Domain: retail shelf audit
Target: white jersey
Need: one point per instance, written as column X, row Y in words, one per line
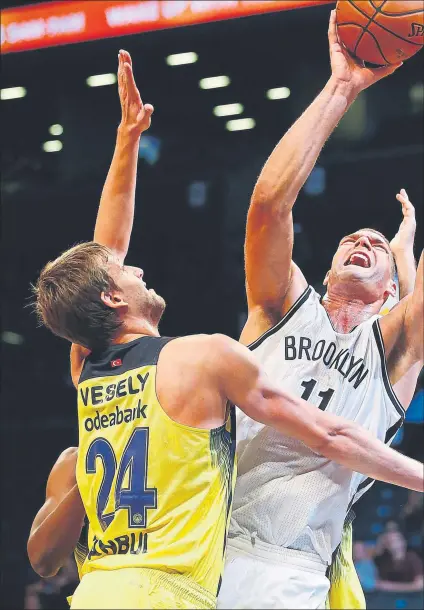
column 286, row 495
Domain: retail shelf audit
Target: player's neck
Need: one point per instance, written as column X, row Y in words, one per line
column 134, row 328
column 345, row 313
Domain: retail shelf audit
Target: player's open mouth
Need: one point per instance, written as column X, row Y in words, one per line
column 360, row 259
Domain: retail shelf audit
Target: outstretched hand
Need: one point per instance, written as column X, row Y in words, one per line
column 404, row 238
column 348, row 70
column 136, row 116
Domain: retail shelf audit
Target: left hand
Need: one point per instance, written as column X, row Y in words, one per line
column 404, row 238
column 136, row 116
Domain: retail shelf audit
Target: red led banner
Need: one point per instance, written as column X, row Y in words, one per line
column 53, row 23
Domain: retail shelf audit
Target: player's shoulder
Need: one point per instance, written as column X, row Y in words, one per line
column 64, row 466
column 198, row 355
column 199, row 346
column 62, row 476
column 68, row 455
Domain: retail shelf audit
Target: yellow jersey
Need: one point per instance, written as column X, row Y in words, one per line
column 345, row 587
column 157, row 493
column 81, row 550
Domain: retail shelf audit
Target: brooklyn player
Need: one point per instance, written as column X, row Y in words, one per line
column 156, row 436
column 337, row 353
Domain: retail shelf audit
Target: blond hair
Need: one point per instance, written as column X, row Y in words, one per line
column 68, row 300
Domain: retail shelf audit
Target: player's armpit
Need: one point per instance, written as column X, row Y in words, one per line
column 57, row 525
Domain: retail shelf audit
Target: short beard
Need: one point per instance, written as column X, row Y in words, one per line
column 157, row 308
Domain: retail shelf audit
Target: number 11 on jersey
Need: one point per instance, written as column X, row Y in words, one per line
column 325, row 396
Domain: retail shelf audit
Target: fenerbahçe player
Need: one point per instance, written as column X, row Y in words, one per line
column 157, row 493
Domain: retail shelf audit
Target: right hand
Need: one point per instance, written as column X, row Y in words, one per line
column 352, row 72
column 136, row 116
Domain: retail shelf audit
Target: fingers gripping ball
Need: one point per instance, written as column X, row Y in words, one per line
column 381, row 32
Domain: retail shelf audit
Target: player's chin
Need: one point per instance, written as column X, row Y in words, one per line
column 356, row 273
column 157, row 298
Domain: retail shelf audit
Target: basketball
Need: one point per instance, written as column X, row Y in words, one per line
column 381, row 32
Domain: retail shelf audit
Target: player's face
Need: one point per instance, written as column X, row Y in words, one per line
column 396, row 544
column 363, row 260
column 142, row 301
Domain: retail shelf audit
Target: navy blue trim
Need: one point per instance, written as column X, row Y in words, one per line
column 380, row 346
column 390, row 434
column 232, row 418
column 143, row 351
column 289, row 314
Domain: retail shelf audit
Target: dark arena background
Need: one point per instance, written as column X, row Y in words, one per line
column 196, row 173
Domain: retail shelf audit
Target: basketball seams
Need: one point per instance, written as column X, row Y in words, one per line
column 416, row 44
column 363, row 27
column 365, row 31
column 403, row 14
column 378, row 46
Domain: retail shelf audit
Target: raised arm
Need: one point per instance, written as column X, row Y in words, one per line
column 402, row 246
column 402, row 330
column 116, row 211
column 269, row 235
column 414, row 322
column 336, row 438
column 57, row 525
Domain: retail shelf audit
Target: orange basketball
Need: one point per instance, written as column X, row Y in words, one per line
column 381, row 32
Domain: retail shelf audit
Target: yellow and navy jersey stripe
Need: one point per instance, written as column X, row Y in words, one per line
column 81, row 550
column 157, row 493
column 345, row 588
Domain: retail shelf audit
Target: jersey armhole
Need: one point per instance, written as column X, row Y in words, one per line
column 289, row 314
column 387, row 385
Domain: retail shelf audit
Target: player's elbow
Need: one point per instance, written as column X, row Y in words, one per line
column 40, row 559
column 329, row 441
column 268, row 202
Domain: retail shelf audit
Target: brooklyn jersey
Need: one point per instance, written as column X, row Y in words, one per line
column 286, row 495
column 157, row 493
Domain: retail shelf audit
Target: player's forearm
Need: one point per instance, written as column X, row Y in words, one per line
column 54, row 539
column 406, row 270
column 116, row 211
column 414, row 317
column 340, row 440
column 355, row 448
column 295, row 155
column 419, row 282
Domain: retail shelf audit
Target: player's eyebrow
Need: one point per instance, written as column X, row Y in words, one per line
column 377, row 239
column 352, row 236
column 373, row 237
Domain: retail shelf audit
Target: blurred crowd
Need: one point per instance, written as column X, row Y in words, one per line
column 393, row 562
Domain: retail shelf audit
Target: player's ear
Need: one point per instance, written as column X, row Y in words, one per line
column 113, row 299
column 327, row 275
